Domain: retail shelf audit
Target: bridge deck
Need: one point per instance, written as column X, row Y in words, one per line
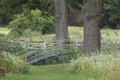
column 38, row 59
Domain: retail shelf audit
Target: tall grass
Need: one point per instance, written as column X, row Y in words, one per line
column 106, row 64
column 11, row 64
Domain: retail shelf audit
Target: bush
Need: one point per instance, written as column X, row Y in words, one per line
column 35, row 20
column 20, row 68
column 11, row 47
column 2, row 38
column 106, row 64
column 11, row 64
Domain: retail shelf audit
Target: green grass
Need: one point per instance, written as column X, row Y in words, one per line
column 4, row 30
column 75, row 30
column 112, row 38
column 74, row 33
column 52, row 72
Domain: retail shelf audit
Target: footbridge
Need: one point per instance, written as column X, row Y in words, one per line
column 35, row 52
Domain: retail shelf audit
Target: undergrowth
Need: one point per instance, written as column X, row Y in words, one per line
column 106, row 64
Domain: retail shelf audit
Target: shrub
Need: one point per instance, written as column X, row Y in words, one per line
column 11, row 64
column 11, row 47
column 35, row 20
column 2, row 37
column 106, row 64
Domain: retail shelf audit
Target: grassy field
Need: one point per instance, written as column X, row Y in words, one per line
column 60, row 71
column 52, row 72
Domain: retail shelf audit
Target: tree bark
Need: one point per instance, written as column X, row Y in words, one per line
column 92, row 21
column 61, row 20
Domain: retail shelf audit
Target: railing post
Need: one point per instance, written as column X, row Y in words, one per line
column 44, row 46
column 76, row 48
column 26, row 46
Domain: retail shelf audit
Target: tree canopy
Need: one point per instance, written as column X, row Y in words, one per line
column 111, row 13
column 34, row 21
column 9, row 8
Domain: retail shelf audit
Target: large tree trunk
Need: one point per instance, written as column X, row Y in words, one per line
column 92, row 21
column 61, row 21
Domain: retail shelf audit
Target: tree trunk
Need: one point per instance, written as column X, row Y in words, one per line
column 92, row 21
column 61, row 21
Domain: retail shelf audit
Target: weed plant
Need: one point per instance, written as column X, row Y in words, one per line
column 11, row 64
column 106, row 64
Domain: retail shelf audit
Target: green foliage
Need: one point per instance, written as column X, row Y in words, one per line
column 34, row 21
column 111, row 16
column 11, row 47
column 8, row 8
column 1, row 41
column 77, row 4
column 11, row 64
column 106, row 64
column 53, row 72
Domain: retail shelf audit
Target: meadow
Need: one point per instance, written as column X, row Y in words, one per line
column 75, row 33
column 52, row 72
column 64, row 71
